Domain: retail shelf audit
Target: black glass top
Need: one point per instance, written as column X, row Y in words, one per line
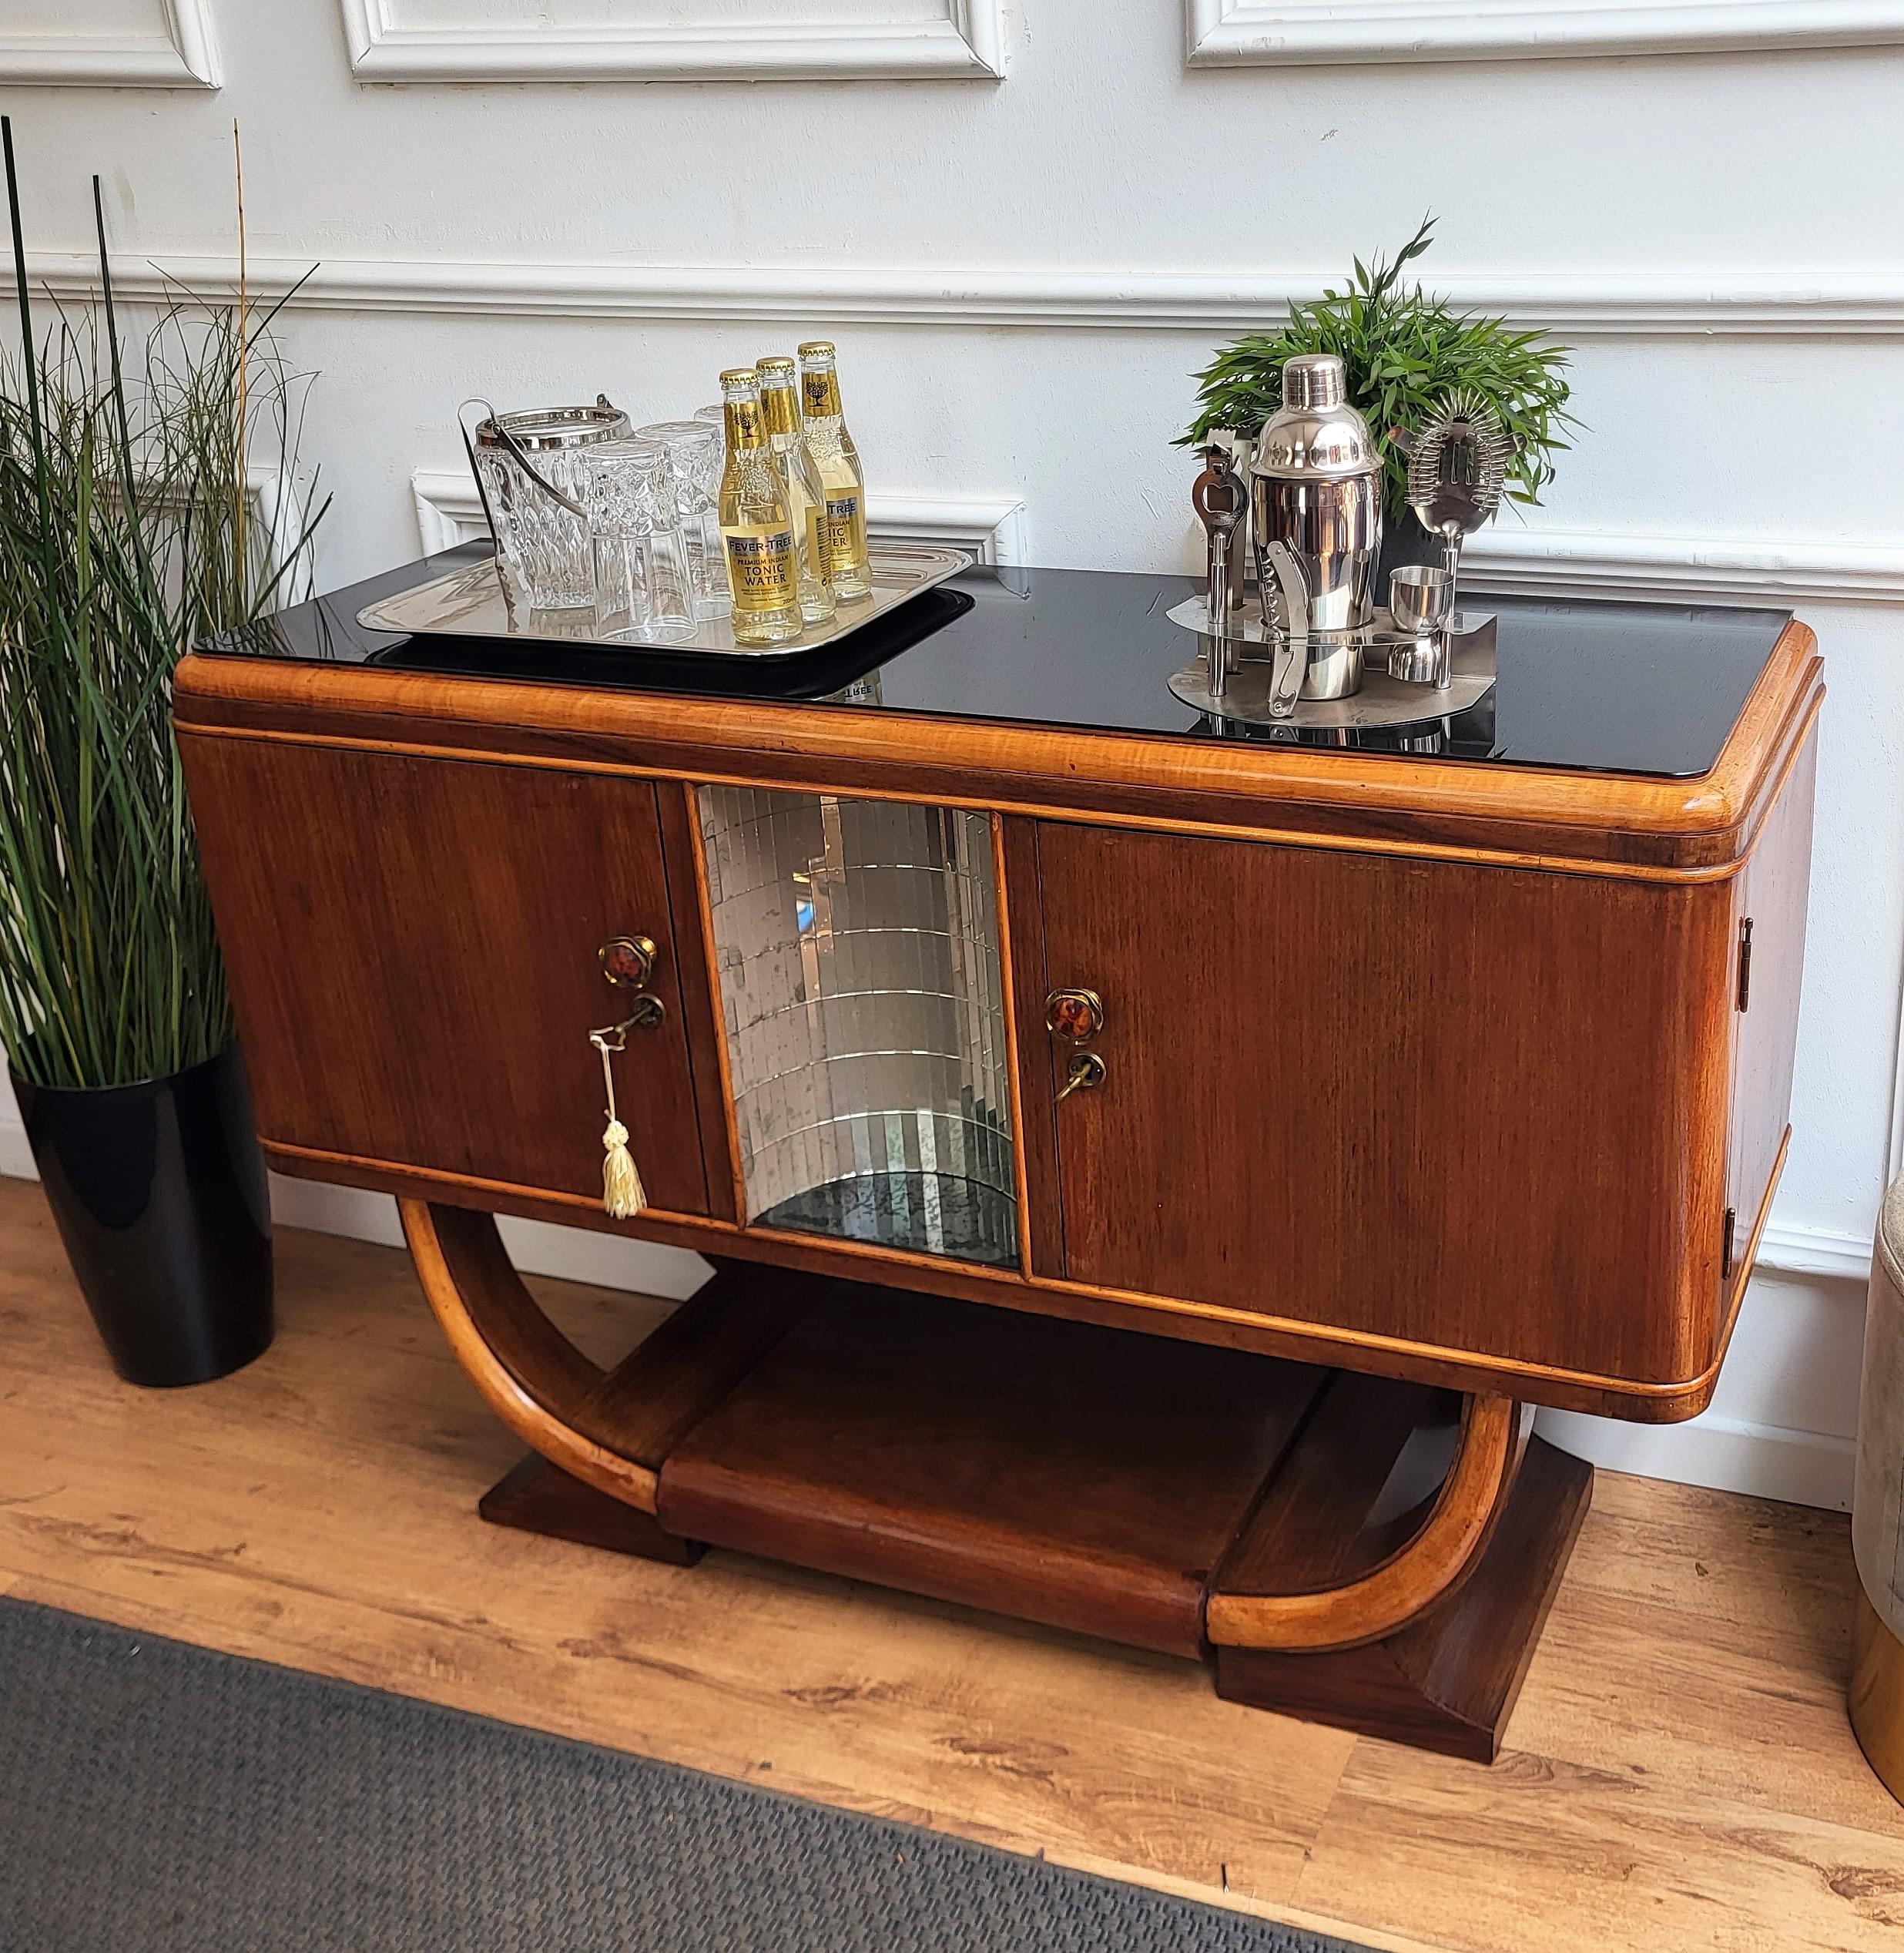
column 1595, row 687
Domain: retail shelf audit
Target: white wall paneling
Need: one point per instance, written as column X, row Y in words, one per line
column 559, row 41
column 1835, row 305
column 1509, row 556
column 991, row 527
column 1275, row 33
column 107, row 44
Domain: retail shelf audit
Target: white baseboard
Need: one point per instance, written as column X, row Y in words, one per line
column 1801, row 1467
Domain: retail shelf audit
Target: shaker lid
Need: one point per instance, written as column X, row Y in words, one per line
column 1315, row 434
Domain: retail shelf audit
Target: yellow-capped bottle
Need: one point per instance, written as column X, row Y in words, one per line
column 757, row 527
column 838, row 462
column 806, row 497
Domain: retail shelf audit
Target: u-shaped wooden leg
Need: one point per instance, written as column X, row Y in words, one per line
column 1383, row 1562
column 1411, row 1581
column 530, row 1374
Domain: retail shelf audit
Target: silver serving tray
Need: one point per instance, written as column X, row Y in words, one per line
column 472, row 602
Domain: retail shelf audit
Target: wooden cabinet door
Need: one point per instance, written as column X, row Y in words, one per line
column 413, row 945
column 1466, row 1107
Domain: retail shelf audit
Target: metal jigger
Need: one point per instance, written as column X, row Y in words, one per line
column 1221, row 502
column 1421, row 602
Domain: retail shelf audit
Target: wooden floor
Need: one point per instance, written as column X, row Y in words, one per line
column 1680, row 1773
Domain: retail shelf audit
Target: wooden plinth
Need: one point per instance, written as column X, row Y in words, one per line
column 1358, row 1551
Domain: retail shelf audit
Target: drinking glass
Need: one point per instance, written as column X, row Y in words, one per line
column 643, row 591
column 714, row 413
column 697, row 453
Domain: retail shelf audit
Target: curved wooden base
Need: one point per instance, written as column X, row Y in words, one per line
column 1325, row 1536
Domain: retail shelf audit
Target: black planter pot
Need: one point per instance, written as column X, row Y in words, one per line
column 158, row 1192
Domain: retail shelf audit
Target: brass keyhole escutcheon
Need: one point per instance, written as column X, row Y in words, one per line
column 628, row 961
column 1075, row 1015
column 1085, row 1073
column 647, row 1014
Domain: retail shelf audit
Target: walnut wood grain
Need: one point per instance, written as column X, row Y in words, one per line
column 539, row 1498
column 1479, row 1109
column 1420, row 1574
column 706, row 1037
column 413, row 947
column 1366, row 1436
column 1037, row 1130
column 1021, row 1009
column 1110, row 1308
column 1075, row 1476
column 609, row 1429
column 529, row 1373
column 1449, row 1681
column 1642, row 827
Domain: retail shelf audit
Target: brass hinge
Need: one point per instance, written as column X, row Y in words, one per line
column 1727, row 1250
column 1745, row 963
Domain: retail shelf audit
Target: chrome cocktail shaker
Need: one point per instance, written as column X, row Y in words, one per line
column 1316, row 487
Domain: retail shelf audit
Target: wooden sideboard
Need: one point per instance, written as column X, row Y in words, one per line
column 1431, row 1088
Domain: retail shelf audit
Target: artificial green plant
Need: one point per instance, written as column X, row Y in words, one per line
column 1403, row 351
column 125, row 533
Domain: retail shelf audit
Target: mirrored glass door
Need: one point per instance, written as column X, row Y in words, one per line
column 856, row 947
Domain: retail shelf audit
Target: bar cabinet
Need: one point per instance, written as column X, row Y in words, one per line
column 1149, row 1174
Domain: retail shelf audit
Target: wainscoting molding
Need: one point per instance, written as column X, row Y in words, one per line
column 43, row 44
column 966, row 40
column 1509, row 556
column 1715, row 305
column 992, row 527
column 1280, row 33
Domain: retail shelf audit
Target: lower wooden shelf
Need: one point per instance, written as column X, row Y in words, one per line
column 1362, row 1551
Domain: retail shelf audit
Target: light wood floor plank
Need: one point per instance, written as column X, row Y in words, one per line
column 1684, row 1776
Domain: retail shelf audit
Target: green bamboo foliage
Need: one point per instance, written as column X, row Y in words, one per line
column 124, row 536
column 1403, row 351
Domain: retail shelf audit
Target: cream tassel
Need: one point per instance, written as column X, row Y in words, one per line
column 621, row 1185
column 621, row 1193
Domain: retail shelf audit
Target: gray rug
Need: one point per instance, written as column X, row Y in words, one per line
column 157, row 1798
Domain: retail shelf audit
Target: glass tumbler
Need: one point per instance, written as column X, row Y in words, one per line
column 643, row 591
column 698, row 452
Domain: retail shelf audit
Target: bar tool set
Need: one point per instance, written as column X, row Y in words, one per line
column 1316, row 638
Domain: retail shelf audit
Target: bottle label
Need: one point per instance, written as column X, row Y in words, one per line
column 820, row 549
column 746, row 425
column 844, row 530
column 819, row 395
column 760, row 565
column 777, row 411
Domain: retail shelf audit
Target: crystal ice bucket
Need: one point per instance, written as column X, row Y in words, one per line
column 531, row 468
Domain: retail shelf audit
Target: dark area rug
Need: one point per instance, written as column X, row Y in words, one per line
column 157, row 1798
